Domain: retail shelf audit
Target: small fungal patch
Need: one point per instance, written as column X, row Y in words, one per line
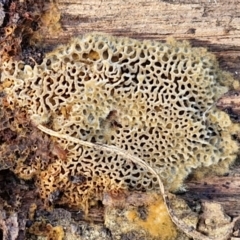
column 155, row 224
column 47, row 230
column 154, row 100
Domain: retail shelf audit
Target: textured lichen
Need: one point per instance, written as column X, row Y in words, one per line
column 154, row 100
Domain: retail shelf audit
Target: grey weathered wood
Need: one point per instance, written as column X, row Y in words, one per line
column 206, row 23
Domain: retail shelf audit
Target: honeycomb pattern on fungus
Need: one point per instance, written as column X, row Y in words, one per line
column 154, row 100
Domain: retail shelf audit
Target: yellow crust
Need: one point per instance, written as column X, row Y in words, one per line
column 154, row 100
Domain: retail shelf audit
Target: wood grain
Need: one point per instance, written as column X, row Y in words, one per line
column 224, row 190
column 211, row 24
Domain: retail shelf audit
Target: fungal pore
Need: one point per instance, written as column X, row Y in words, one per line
column 153, row 100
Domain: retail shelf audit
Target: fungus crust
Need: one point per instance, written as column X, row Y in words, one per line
column 154, row 100
column 157, row 223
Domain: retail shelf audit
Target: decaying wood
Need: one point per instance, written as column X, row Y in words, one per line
column 230, row 103
column 224, row 190
column 211, row 24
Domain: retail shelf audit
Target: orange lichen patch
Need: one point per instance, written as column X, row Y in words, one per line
column 39, row 229
column 47, row 230
column 157, row 223
column 56, row 233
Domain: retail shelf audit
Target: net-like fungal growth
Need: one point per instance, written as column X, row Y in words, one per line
column 154, row 100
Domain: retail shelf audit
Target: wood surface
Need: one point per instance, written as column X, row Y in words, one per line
column 205, row 23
